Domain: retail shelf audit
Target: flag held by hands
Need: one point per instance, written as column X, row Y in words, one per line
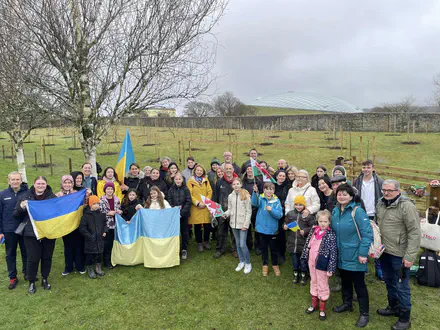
column 214, row 208
column 293, row 226
column 258, row 170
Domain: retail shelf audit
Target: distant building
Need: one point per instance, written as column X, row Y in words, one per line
column 158, row 112
column 306, row 101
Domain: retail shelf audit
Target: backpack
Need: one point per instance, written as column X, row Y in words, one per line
column 429, row 269
column 376, row 248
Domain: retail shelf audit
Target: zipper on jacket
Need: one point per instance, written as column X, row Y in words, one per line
column 236, row 209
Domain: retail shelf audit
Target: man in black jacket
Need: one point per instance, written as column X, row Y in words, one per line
column 222, row 190
column 8, row 225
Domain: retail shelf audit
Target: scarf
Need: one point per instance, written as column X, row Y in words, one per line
column 391, row 201
column 199, row 179
column 108, row 180
column 319, row 233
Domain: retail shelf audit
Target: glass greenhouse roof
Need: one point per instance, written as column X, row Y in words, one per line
column 305, row 101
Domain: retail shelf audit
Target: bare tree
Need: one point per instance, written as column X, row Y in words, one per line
column 406, row 105
column 22, row 107
column 436, row 92
column 198, row 109
column 108, row 58
column 228, row 105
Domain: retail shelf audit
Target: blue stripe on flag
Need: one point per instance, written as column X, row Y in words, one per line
column 55, row 207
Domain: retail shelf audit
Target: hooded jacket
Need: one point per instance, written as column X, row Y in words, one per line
column 378, row 182
column 146, row 184
column 267, row 221
column 8, row 201
column 23, row 215
column 129, row 209
column 239, row 212
column 295, row 241
column 399, row 225
column 312, row 199
column 180, row 196
column 92, row 226
column 133, row 181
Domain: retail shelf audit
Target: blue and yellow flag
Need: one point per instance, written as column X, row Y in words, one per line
column 151, row 238
column 293, row 226
column 126, row 157
column 56, row 217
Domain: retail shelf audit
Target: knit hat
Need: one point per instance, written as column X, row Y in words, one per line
column 65, row 178
column 215, row 161
column 340, row 168
column 109, row 184
column 93, row 199
column 300, row 200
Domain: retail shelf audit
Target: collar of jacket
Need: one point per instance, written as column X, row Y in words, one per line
column 234, row 175
column 274, row 197
column 394, row 202
column 23, row 187
column 294, row 185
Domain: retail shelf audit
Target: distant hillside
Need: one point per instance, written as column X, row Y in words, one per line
column 272, row 111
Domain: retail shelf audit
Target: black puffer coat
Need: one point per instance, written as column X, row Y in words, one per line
column 129, row 209
column 92, row 226
column 146, row 184
column 180, row 196
column 23, row 215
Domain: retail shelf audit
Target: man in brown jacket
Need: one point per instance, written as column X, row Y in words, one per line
column 399, row 225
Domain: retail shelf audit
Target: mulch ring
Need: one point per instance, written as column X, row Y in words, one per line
column 195, row 149
column 108, row 153
column 148, row 144
column 266, row 144
column 29, row 142
column 114, row 142
column 394, row 134
column 9, row 157
column 152, row 160
column 274, row 136
column 49, row 145
column 334, row 148
column 43, row 165
column 410, row 142
column 331, row 139
column 73, row 148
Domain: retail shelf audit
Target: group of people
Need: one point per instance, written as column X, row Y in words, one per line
column 322, row 222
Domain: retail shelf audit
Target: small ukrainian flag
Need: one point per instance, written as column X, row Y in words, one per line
column 56, row 217
column 126, row 158
column 293, row 226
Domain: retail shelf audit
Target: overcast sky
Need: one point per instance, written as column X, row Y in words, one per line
column 364, row 52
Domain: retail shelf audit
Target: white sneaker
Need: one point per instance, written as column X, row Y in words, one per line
column 239, row 267
column 247, row 268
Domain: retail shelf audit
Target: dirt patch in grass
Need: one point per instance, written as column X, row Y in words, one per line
column 29, row 142
column 152, row 160
column 148, row 144
column 9, row 157
column 274, row 136
column 73, row 148
column 266, row 144
column 334, row 148
column 410, row 142
column 113, row 142
column 331, row 139
column 49, row 145
column 394, row 134
column 195, row 149
column 46, row 165
column 108, row 153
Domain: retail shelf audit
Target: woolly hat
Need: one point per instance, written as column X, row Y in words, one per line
column 215, row 161
column 93, row 199
column 65, row 178
column 109, row 184
column 300, row 200
column 340, row 168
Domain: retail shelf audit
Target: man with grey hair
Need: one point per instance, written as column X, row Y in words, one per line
column 227, row 156
column 399, row 224
column 8, row 225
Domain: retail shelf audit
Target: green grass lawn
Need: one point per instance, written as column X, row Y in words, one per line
column 203, row 293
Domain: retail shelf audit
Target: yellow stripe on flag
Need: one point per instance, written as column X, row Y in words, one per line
column 120, row 168
column 59, row 226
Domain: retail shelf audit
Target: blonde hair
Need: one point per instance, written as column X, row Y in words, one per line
column 244, row 194
column 324, row 213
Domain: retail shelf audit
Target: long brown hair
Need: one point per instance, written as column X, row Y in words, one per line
column 159, row 198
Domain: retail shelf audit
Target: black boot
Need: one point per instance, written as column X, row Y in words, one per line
column 98, row 269
column 364, row 309
column 404, row 320
column 45, row 284
column 32, row 288
column 295, row 277
column 362, row 321
column 303, row 278
column 91, row 271
column 391, row 310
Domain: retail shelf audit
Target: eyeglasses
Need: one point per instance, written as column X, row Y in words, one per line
column 388, row 191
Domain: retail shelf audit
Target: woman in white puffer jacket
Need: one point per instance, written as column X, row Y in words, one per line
column 302, row 187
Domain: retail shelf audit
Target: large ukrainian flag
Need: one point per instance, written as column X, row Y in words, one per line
column 151, row 238
column 56, row 217
column 126, row 157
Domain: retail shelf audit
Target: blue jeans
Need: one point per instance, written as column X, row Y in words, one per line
column 297, row 263
column 242, row 249
column 398, row 289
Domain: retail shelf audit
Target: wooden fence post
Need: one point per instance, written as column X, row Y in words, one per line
column 70, row 165
column 36, row 161
column 51, row 166
column 360, row 147
column 374, row 149
column 3, row 151
column 341, row 137
column 189, row 148
column 180, row 153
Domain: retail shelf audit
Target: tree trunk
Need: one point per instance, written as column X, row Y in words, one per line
column 90, row 156
column 20, row 160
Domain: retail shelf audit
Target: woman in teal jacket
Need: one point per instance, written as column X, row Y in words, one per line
column 353, row 240
column 269, row 212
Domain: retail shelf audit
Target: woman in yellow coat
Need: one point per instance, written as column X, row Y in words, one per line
column 198, row 184
column 109, row 175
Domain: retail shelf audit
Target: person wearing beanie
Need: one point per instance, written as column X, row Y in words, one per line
column 340, row 170
column 73, row 242
column 296, row 237
column 215, row 163
column 110, row 205
column 94, row 230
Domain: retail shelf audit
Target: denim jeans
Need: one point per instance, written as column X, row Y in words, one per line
column 397, row 288
column 12, row 240
column 242, row 249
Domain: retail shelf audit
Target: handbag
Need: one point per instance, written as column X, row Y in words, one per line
column 430, row 234
column 20, row 228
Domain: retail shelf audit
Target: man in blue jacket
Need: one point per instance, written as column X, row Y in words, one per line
column 8, row 225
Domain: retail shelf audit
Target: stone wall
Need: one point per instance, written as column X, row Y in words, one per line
column 366, row 122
